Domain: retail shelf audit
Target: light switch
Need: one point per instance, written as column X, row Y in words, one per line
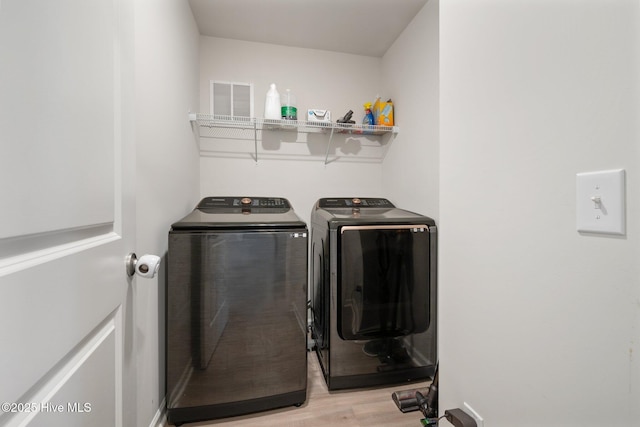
column 600, row 202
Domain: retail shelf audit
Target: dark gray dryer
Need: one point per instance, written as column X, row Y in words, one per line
column 236, row 309
column 373, row 292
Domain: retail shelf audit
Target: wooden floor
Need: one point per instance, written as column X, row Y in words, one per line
column 359, row 407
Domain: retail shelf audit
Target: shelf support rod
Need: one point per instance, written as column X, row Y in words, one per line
column 326, row 155
column 255, row 139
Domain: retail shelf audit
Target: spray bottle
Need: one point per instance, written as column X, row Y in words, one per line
column 368, row 117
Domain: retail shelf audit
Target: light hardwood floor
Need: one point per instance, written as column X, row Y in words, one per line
column 358, row 407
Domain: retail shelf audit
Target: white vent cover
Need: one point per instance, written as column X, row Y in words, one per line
column 231, row 99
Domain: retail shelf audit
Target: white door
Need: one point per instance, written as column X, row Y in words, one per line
column 66, row 212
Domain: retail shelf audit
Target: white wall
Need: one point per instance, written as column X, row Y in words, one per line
column 167, row 166
column 539, row 324
column 294, row 170
column 411, row 77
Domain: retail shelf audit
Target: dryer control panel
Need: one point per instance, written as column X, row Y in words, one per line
column 354, row 202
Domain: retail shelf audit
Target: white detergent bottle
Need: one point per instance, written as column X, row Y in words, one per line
column 272, row 107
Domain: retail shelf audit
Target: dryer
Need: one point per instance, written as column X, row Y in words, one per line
column 236, row 309
column 373, row 290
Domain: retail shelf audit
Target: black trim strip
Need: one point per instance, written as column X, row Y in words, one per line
column 179, row 416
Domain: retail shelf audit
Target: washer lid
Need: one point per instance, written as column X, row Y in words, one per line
column 240, row 212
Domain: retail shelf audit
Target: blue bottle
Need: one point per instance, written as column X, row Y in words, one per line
column 368, row 117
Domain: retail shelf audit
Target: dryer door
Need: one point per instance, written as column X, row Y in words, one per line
column 383, row 287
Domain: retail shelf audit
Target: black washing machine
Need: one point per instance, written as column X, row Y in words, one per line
column 236, row 309
column 373, row 292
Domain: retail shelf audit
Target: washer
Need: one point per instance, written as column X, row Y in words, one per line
column 373, row 292
column 236, row 309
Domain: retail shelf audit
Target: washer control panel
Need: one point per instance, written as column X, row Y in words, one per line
column 226, row 203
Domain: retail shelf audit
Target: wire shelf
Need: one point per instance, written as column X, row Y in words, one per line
column 211, row 126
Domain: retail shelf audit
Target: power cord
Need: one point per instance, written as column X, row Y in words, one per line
column 456, row 416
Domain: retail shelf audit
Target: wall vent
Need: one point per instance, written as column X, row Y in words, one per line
column 232, row 99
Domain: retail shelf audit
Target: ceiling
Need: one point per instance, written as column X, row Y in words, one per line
column 361, row 27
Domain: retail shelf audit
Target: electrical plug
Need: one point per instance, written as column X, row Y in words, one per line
column 459, row 418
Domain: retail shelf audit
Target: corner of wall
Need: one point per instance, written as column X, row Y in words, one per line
column 411, row 78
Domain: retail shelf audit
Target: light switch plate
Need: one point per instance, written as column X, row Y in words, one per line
column 600, row 202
